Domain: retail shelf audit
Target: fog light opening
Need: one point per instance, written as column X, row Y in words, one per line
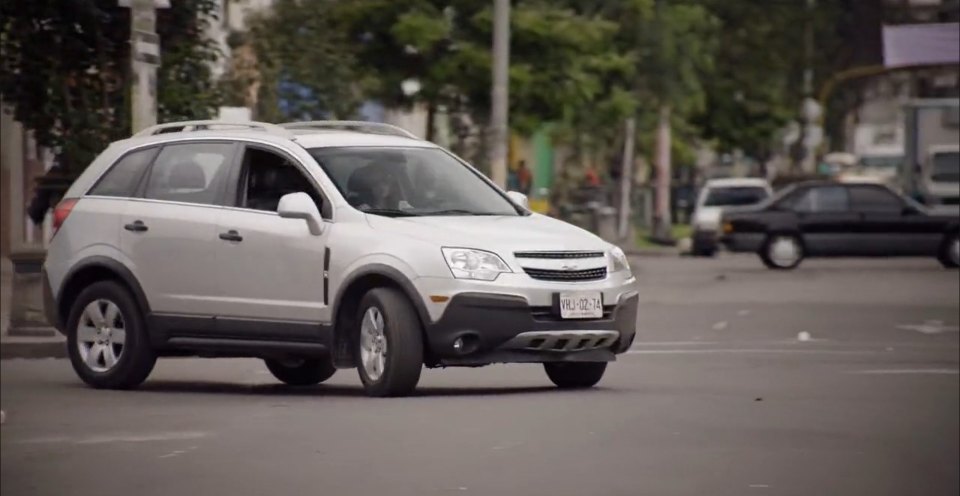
column 465, row 344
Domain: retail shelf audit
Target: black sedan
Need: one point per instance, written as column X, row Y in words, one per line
column 827, row 219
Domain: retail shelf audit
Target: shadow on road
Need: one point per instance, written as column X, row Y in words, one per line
column 206, row 387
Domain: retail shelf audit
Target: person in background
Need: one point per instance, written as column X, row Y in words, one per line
column 524, row 178
column 591, row 178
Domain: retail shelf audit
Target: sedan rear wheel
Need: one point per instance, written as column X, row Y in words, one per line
column 782, row 251
column 950, row 256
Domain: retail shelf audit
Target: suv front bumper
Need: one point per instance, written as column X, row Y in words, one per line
column 498, row 328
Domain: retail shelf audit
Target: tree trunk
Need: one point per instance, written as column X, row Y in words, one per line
column 661, row 219
column 626, row 178
column 431, row 117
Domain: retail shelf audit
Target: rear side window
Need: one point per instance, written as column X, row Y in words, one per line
column 190, row 173
column 868, row 199
column 122, row 179
column 824, row 199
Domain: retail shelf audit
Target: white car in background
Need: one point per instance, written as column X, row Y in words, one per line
column 717, row 195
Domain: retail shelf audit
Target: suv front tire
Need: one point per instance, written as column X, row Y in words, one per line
column 106, row 338
column 389, row 343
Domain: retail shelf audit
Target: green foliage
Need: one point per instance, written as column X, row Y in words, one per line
column 298, row 41
column 65, row 71
column 186, row 89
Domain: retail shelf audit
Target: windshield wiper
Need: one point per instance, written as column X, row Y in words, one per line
column 456, row 211
column 389, row 212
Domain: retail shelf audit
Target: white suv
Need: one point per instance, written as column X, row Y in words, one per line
column 317, row 246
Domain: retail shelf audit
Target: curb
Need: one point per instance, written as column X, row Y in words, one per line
column 34, row 349
column 639, row 252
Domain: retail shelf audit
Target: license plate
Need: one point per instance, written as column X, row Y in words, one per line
column 586, row 305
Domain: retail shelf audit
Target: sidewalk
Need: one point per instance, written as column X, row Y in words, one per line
column 17, row 346
column 665, row 251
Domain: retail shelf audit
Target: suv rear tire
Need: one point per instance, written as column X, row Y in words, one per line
column 389, row 343
column 575, row 375
column 107, row 340
column 301, row 372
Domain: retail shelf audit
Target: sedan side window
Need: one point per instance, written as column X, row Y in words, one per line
column 824, row 199
column 874, row 199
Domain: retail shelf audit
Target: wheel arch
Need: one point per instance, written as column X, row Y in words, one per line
column 347, row 302
column 91, row 270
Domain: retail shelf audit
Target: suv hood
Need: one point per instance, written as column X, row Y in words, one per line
column 500, row 234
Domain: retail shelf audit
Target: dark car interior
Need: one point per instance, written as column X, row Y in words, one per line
column 268, row 177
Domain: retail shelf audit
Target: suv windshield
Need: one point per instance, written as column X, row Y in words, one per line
column 410, row 182
column 735, row 196
column 946, row 167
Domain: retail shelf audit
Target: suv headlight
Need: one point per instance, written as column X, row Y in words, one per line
column 619, row 260
column 482, row 265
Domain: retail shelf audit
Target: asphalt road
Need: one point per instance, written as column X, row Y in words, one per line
column 718, row 397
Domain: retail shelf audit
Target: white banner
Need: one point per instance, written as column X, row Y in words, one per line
column 921, row 44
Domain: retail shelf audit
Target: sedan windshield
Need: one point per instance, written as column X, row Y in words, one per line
column 405, row 182
column 735, row 196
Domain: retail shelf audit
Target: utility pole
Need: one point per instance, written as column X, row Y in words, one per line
column 144, row 60
column 626, row 177
column 811, row 133
column 661, row 219
column 500, row 94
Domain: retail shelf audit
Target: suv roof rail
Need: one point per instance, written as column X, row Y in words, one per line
column 202, row 125
column 358, row 126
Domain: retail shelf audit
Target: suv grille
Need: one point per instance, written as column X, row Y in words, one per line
column 558, row 255
column 567, row 275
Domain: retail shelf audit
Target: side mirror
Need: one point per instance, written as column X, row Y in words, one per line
column 301, row 206
column 519, row 199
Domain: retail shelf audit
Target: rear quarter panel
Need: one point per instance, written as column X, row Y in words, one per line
column 91, row 229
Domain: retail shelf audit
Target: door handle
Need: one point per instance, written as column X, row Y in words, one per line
column 231, row 235
column 136, row 226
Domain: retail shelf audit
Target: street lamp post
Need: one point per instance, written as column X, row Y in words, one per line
column 144, row 60
column 500, row 92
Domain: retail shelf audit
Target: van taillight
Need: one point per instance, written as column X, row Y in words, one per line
column 61, row 212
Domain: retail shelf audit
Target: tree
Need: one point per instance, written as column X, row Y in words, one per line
column 300, row 62
column 186, row 88
column 65, row 71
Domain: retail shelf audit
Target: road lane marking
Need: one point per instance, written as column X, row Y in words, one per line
column 719, row 326
column 676, row 343
column 908, row 371
column 752, row 350
column 929, row 327
column 143, row 438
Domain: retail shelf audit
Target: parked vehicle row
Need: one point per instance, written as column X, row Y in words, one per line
column 835, row 219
